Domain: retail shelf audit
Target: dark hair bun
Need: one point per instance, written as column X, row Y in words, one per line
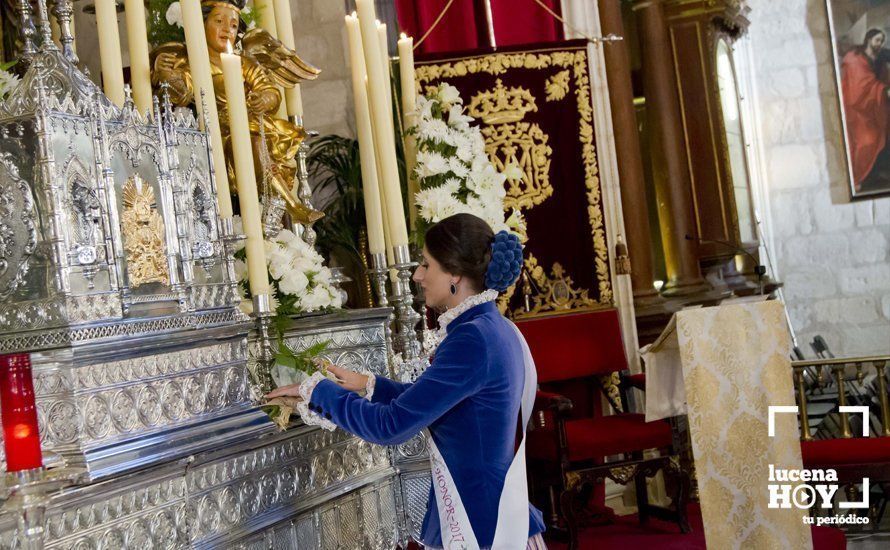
column 506, row 262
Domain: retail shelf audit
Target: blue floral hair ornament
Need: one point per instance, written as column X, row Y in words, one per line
column 506, row 261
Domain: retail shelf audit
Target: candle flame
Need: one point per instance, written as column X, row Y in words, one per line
column 21, row 431
column 229, row 49
column 354, row 14
column 403, row 36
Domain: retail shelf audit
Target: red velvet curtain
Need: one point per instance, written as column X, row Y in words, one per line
column 464, row 26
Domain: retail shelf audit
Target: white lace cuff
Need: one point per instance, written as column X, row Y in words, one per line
column 369, row 385
column 312, row 418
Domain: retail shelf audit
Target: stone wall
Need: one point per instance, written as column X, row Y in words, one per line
column 831, row 254
column 320, row 34
column 321, row 40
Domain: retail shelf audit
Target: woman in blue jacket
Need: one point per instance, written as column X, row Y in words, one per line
column 468, row 398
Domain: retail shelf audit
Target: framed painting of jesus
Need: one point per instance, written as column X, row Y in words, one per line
column 858, row 30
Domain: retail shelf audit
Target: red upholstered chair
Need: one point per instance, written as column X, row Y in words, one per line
column 851, row 381
column 579, row 358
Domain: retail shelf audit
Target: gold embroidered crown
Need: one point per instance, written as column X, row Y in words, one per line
column 502, row 105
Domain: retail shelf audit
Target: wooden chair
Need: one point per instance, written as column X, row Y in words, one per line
column 580, row 357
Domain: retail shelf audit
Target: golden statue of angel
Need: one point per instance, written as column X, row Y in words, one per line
column 267, row 66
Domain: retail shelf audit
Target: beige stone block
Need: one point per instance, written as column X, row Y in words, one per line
column 326, row 11
column 831, row 217
column 816, row 249
column 867, row 340
column 869, row 247
column 794, row 166
column 808, row 282
column 865, row 279
column 861, row 309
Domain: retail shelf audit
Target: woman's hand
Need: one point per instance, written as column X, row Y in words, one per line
column 285, row 391
column 347, row 379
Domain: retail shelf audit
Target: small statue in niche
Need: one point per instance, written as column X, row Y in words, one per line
column 267, row 65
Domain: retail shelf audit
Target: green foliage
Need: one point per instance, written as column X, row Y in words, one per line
column 250, row 15
column 335, row 168
column 159, row 30
column 303, row 361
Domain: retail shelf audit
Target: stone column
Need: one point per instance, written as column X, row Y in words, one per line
column 673, row 184
column 630, row 159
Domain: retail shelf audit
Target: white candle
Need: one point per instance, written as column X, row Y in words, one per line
column 383, row 134
column 137, row 39
column 266, row 11
column 293, row 97
column 199, row 66
column 242, row 151
column 110, row 51
column 406, row 72
column 370, row 185
column 384, row 55
column 409, row 119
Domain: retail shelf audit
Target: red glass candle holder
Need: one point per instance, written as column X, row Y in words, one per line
column 21, row 437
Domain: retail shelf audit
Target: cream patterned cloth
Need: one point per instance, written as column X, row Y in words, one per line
column 735, row 363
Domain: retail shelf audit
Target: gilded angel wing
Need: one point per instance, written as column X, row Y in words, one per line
column 283, row 64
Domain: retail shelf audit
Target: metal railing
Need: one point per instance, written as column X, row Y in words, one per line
column 852, row 383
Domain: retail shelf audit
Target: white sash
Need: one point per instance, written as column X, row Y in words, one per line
column 511, row 532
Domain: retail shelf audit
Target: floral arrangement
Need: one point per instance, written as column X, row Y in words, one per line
column 8, row 81
column 301, row 283
column 293, row 368
column 453, row 170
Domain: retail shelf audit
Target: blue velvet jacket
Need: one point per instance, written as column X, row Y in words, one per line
column 469, row 398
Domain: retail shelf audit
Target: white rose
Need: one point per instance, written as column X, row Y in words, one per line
column 448, row 94
column 304, row 264
column 294, row 283
column 286, row 236
column 174, row 14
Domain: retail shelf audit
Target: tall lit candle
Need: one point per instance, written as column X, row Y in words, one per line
column 383, row 135
column 406, row 74
column 21, row 437
column 110, row 51
column 137, row 39
column 370, row 185
column 199, row 66
column 409, row 119
column 242, row 151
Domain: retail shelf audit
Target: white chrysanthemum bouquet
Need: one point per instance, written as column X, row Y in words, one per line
column 301, row 282
column 453, row 170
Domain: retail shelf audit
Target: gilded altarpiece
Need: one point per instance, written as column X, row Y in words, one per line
column 534, row 109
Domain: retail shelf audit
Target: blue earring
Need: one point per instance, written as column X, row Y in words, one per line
column 453, row 289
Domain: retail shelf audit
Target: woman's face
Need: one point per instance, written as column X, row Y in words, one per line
column 221, row 28
column 434, row 280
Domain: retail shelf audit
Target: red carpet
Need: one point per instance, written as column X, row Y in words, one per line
column 627, row 534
